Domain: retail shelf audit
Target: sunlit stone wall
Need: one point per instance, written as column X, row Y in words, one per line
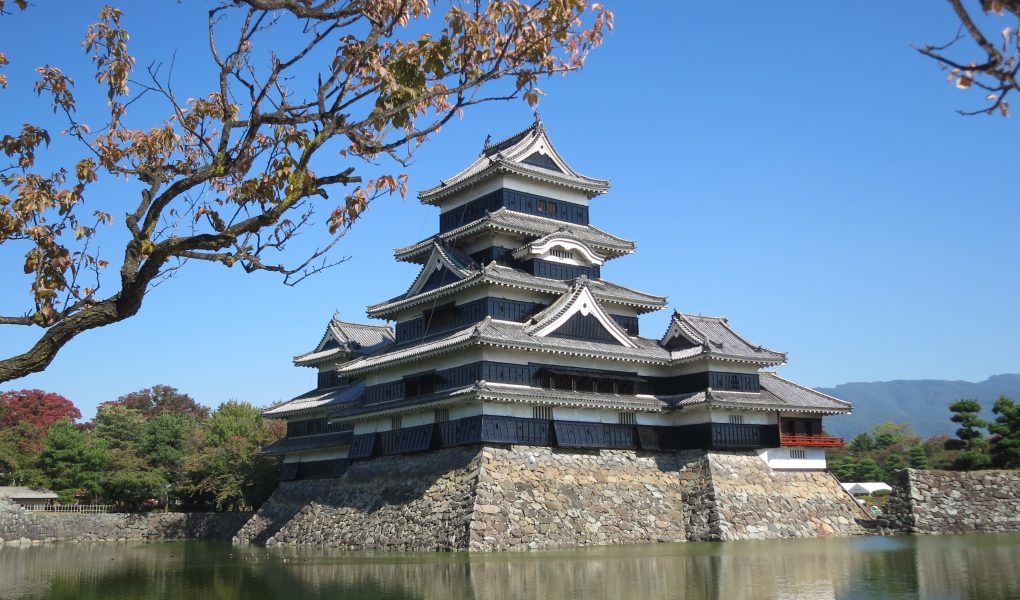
column 523, row 497
column 954, row 501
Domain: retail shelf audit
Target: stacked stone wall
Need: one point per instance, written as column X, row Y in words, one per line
column 21, row 526
column 536, row 497
column 954, row 502
column 752, row 501
column 522, row 497
column 418, row 502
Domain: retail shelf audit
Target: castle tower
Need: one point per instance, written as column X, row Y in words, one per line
column 509, row 335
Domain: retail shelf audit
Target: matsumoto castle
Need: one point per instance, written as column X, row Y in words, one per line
column 510, row 336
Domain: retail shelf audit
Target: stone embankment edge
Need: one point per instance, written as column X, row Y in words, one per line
column 19, row 526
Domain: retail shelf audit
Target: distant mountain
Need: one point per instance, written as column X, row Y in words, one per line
column 923, row 403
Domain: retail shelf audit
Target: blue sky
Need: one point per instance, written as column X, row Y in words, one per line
column 796, row 167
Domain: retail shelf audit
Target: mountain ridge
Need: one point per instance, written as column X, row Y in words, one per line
column 924, row 403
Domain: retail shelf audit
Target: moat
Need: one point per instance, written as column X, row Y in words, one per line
column 957, row 566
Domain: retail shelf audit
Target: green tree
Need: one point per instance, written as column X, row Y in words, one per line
column 894, row 462
column 890, row 434
column 229, row 467
column 165, row 443
column 130, row 481
column 302, row 93
column 72, row 460
column 918, row 457
column 863, row 442
column 970, row 440
column 843, row 467
column 868, row 470
column 1005, row 443
column 119, row 427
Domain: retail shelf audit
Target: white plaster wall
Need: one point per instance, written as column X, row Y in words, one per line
column 313, row 455
column 512, row 410
column 779, row 458
column 751, row 417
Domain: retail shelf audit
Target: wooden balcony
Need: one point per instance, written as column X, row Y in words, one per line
column 811, row 441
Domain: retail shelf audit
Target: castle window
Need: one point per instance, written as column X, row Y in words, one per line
column 395, row 423
column 561, row 253
column 543, row 412
column 442, row 415
column 628, row 418
column 737, row 419
column 798, row 453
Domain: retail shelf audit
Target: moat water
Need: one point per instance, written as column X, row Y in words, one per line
column 963, row 566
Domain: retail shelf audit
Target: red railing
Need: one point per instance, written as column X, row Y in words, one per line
column 811, row 441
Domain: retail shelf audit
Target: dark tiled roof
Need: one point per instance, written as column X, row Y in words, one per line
column 309, row 442
column 317, row 400
column 715, row 337
column 530, row 226
column 496, row 274
column 513, row 155
column 776, row 394
column 509, row 334
column 357, row 339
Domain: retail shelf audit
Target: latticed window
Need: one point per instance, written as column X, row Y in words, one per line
column 737, row 419
column 442, row 415
column 628, row 418
column 543, row 412
column 395, row 423
column 560, row 253
column 798, row 453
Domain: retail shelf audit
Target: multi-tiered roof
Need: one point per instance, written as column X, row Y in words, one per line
column 509, row 331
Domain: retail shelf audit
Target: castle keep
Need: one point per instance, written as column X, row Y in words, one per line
column 514, row 371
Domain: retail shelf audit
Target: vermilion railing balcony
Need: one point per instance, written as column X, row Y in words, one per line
column 811, row 441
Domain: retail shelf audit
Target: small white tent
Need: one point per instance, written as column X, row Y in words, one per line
column 866, row 488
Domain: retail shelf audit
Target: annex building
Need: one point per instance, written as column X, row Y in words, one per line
column 509, row 347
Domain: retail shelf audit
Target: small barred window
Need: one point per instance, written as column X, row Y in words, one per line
column 561, row 253
column 395, row 423
column 737, row 419
column 543, row 412
column 798, row 454
column 628, row 418
column 442, row 415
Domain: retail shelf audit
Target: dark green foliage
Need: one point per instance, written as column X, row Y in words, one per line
column 893, row 463
column 229, row 468
column 72, row 460
column 1005, row 443
column 970, row 440
column 119, row 427
column 868, row 470
column 918, row 458
column 864, row 442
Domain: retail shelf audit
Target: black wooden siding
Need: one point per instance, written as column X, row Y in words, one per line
column 315, row 427
column 405, row 441
column 696, row 382
column 595, row 435
column 555, row 270
column 584, row 327
column 502, row 256
column 514, row 200
column 318, row 469
column 464, row 315
column 629, row 324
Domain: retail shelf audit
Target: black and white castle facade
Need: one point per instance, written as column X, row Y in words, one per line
column 509, row 335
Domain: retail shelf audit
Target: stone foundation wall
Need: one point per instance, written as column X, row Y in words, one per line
column 954, row 502
column 536, row 497
column 419, row 502
column 20, row 526
column 521, row 497
column 755, row 502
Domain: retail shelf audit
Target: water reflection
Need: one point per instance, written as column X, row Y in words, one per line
column 975, row 566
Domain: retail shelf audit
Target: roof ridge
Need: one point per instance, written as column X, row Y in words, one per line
column 775, row 375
